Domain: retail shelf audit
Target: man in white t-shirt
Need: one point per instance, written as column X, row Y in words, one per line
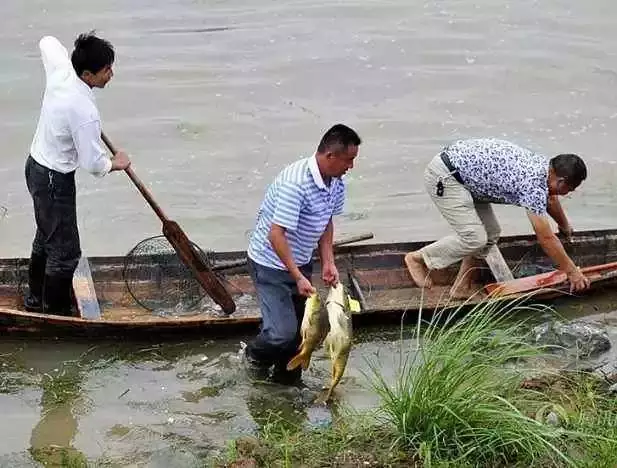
column 68, row 136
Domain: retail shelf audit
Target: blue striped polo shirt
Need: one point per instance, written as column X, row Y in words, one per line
column 303, row 204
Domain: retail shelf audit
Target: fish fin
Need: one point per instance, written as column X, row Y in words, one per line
column 299, row 359
column 354, row 305
column 323, row 398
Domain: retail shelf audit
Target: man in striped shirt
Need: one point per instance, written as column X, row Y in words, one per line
column 294, row 219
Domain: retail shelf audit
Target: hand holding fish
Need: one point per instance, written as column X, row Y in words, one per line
column 329, row 274
column 305, row 288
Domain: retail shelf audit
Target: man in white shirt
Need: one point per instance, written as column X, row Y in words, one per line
column 68, row 136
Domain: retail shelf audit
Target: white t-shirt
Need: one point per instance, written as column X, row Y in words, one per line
column 68, row 134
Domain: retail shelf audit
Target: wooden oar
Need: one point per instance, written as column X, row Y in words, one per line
column 550, row 279
column 182, row 245
column 85, row 294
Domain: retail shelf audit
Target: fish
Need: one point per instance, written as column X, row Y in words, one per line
column 312, row 333
column 338, row 340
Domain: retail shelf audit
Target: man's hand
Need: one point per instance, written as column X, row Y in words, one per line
column 329, row 274
column 120, row 161
column 305, row 288
column 578, row 281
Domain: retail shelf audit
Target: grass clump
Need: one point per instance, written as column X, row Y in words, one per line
column 456, row 396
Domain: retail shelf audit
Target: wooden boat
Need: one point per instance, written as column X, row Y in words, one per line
column 374, row 274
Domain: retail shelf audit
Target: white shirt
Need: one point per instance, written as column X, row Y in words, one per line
column 68, row 134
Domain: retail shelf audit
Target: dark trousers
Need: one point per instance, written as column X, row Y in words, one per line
column 55, row 249
column 282, row 309
column 55, row 212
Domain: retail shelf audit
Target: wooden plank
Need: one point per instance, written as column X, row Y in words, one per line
column 551, row 279
column 497, row 264
column 85, row 294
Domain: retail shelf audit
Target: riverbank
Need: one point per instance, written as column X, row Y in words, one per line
column 470, row 395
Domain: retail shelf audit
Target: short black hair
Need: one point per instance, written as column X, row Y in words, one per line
column 91, row 53
column 338, row 135
column 571, row 167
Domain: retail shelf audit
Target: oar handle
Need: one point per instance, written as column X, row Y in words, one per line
column 137, row 181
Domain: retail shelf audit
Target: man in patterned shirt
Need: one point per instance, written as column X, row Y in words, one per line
column 294, row 219
column 471, row 174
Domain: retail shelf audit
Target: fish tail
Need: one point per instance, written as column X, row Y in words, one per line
column 302, row 358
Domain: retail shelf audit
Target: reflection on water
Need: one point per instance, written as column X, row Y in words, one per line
column 157, row 402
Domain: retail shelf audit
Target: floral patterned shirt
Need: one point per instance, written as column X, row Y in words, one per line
column 498, row 171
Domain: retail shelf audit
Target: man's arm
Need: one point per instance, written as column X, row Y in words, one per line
column 281, row 247
column 90, row 152
column 554, row 249
column 550, row 243
column 329, row 273
column 55, row 59
column 556, row 211
column 326, row 251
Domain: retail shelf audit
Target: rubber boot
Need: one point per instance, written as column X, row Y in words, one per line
column 280, row 374
column 33, row 302
column 57, row 295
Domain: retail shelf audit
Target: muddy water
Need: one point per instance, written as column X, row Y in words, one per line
column 213, row 97
column 178, row 403
column 174, row 403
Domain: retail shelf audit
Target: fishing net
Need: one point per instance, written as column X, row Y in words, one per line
column 159, row 281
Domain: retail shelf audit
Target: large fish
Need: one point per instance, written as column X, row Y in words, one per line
column 312, row 332
column 338, row 340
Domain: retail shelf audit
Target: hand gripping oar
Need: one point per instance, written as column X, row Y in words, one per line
column 182, row 245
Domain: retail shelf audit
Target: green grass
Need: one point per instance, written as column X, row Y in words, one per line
column 587, row 409
column 457, row 400
column 456, row 397
column 353, row 441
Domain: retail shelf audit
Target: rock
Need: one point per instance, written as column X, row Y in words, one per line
column 579, row 337
column 552, row 414
column 612, row 389
column 607, row 371
column 552, row 419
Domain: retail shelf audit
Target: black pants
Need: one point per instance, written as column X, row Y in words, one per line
column 57, row 237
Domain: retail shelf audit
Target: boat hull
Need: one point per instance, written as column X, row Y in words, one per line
column 373, row 273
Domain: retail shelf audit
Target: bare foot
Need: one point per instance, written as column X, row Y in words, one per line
column 417, row 270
